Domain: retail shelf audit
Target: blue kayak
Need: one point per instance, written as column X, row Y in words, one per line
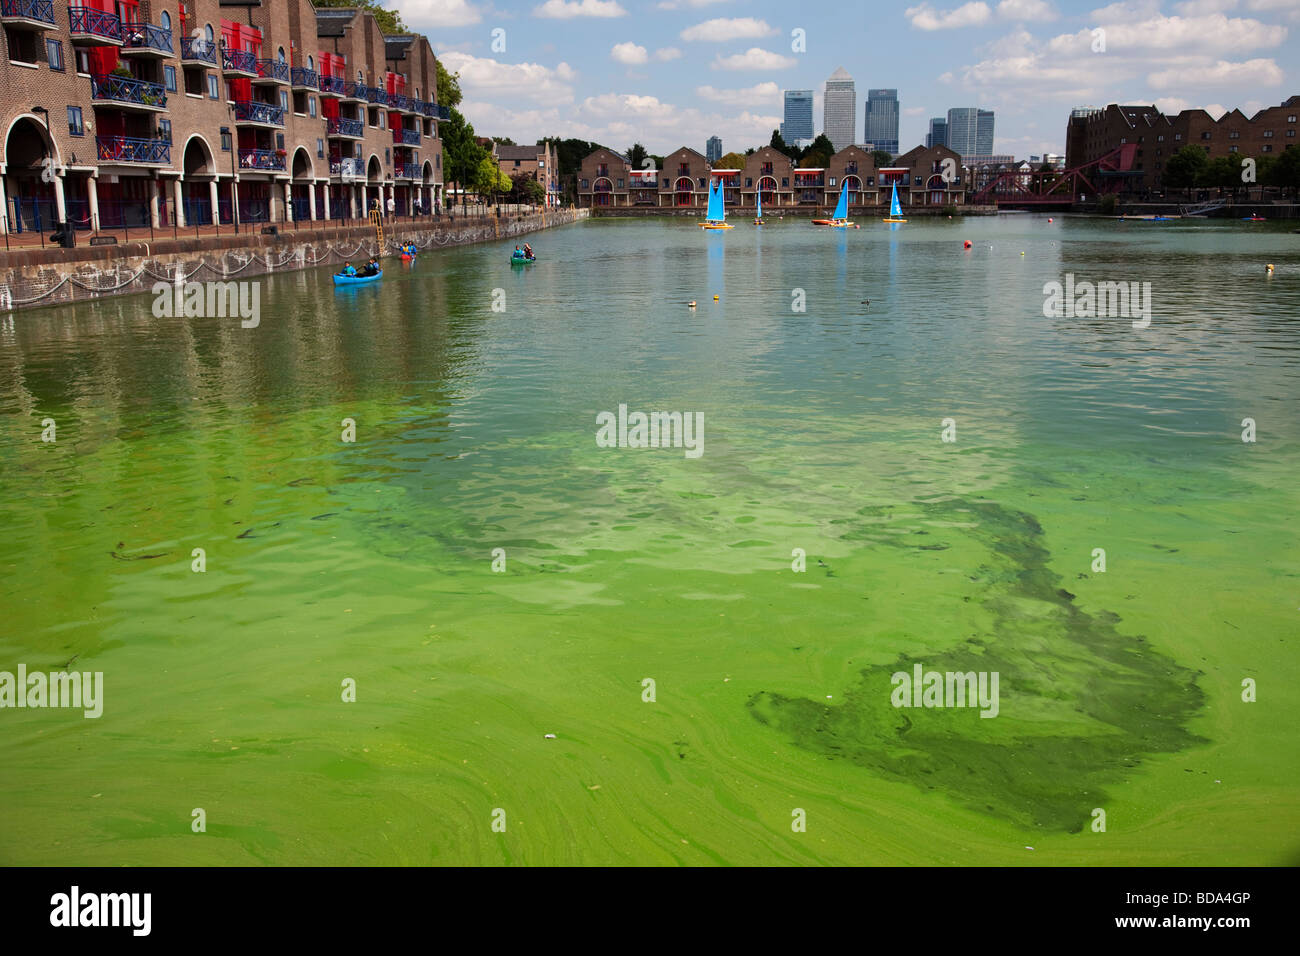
column 357, row 280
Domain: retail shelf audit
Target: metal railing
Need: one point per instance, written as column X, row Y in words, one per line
column 344, row 127
column 301, row 76
column 92, row 22
column 406, row 137
column 333, row 84
column 375, row 94
column 193, row 48
column 120, row 89
column 273, row 70
column 129, row 149
column 42, row 10
column 401, row 101
column 146, row 36
column 407, row 170
column 255, row 111
column 239, row 60
column 262, row 159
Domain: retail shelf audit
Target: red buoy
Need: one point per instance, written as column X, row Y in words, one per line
column 966, row 244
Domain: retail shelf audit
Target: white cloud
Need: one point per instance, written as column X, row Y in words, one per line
column 484, row 77
column 755, row 95
column 1126, row 12
column 723, row 29
column 435, row 14
column 753, row 59
column 628, row 53
column 568, row 9
column 668, row 53
column 1254, row 73
column 683, row 4
column 1036, row 10
column 915, row 111
column 925, row 17
column 1213, row 35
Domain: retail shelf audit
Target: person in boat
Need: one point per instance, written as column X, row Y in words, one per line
column 528, row 251
column 347, row 270
column 372, row 268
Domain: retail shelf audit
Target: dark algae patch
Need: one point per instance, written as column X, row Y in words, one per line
column 1080, row 704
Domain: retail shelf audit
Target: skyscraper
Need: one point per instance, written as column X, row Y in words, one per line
column 881, row 126
column 798, row 123
column 713, row 149
column 840, row 109
column 938, row 135
column 970, row 131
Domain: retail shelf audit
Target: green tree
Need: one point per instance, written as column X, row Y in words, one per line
column 504, row 141
column 1286, row 172
column 1222, row 172
column 1184, row 167
column 523, row 188
column 730, row 161
column 461, row 154
column 390, row 21
column 448, row 87
column 636, row 154
column 821, row 146
column 881, row 157
column 778, row 143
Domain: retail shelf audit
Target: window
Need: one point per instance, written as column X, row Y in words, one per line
column 702, row 183
column 388, row 156
column 279, row 141
column 620, row 184
column 165, row 130
column 54, row 54
column 785, row 181
column 1205, row 135
column 749, row 180
column 1232, row 149
column 1268, row 134
column 1290, row 133
column 284, row 100
column 194, row 82
column 22, row 45
column 1234, row 135
column 517, row 165
column 1268, row 147
column 165, row 21
column 1160, row 139
column 208, row 36
column 311, row 64
column 830, row 180
column 311, row 106
column 320, row 148
column 584, row 183
column 83, row 61
column 75, row 125
column 169, row 78
column 213, row 94
column 280, row 54
column 225, row 142
column 1290, row 119
column 1177, row 136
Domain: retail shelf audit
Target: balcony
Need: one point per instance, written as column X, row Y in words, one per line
column 373, row 94
column 407, row 170
column 238, row 61
column 127, row 149
column 345, row 169
column 354, row 91
column 440, row 112
column 406, row 137
column 400, row 101
column 145, row 39
column 27, row 14
column 195, row 50
column 272, row 71
column 257, row 113
column 129, row 93
column 334, row 85
column 344, row 127
column 303, row 79
column 268, row 160
column 94, row 27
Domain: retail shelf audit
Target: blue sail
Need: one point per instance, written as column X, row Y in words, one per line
column 760, row 205
column 716, row 212
column 894, row 211
column 842, row 207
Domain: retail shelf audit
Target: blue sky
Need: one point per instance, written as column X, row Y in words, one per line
column 673, row 72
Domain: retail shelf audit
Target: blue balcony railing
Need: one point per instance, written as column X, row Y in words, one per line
column 42, row 10
column 406, row 137
column 376, row 94
column 193, row 48
column 347, row 168
column 146, row 36
column 344, row 127
column 127, row 149
column 260, row 159
column 273, row 70
column 119, row 89
column 353, row 91
column 440, row 112
column 333, row 84
column 407, row 170
column 87, row 21
column 253, row 111
column 301, row 76
column 240, row 61
column 400, row 101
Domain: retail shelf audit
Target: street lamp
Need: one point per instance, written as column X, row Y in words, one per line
column 234, row 197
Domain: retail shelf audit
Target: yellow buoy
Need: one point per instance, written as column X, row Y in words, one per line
column 715, row 298
column 1269, row 267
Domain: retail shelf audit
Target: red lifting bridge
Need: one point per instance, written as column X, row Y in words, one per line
column 1108, row 174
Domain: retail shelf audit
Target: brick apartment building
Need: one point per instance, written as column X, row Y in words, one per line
column 1091, row 134
column 537, row 162
column 605, row 178
column 130, row 112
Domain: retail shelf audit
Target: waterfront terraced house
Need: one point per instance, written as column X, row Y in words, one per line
column 1093, row 133
column 854, row 169
column 770, row 172
column 684, row 180
column 920, row 174
column 604, row 179
column 169, row 113
column 537, row 162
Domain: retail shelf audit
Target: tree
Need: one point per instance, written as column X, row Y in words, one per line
column 504, row 141
column 390, row 21
column 486, row 178
column 523, row 188
column 1286, row 172
column 730, row 161
column 461, row 153
column 750, row 151
column 1222, row 172
column 636, row 155
column 778, row 143
column 1184, row 167
column 448, row 87
column 823, row 146
column 881, row 157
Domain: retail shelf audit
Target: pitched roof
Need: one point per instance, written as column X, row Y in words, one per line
column 520, row 152
column 839, row 74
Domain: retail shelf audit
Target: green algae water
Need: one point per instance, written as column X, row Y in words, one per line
column 710, row 640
